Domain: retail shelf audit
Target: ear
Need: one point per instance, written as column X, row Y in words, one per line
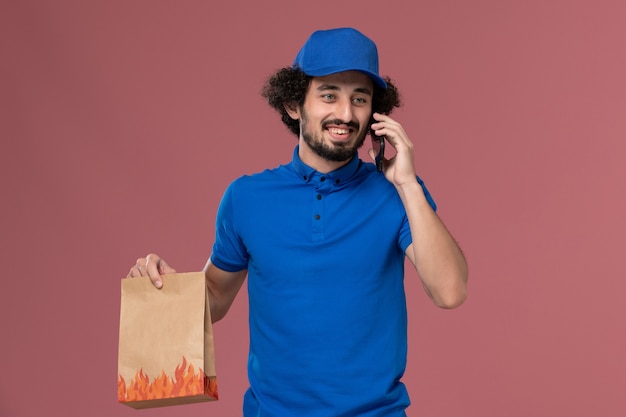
column 293, row 110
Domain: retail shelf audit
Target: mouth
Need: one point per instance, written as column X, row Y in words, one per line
column 340, row 134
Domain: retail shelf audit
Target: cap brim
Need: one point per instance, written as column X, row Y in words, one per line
column 377, row 79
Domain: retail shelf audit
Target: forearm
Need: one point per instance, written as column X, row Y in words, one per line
column 435, row 254
column 218, row 308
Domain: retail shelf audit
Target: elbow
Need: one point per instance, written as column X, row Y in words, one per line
column 452, row 295
column 446, row 283
column 451, row 301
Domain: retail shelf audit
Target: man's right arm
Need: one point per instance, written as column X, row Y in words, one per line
column 222, row 285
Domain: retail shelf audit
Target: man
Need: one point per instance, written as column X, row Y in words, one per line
column 323, row 242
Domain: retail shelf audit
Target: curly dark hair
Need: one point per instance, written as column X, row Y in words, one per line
column 289, row 85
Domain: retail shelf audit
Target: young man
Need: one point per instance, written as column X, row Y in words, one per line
column 323, row 241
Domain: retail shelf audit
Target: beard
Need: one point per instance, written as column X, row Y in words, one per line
column 336, row 152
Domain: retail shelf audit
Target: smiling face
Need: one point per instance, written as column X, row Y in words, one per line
column 334, row 119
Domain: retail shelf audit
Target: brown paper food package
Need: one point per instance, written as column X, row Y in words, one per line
column 166, row 352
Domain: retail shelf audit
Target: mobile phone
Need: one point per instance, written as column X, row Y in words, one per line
column 378, row 144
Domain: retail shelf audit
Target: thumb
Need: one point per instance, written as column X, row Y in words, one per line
column 156, row 266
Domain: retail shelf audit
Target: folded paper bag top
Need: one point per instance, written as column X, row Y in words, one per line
column 166, row 352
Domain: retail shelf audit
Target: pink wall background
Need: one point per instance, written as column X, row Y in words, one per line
column 122, row 122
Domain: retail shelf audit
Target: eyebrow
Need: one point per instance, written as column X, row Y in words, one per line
column 363, row 90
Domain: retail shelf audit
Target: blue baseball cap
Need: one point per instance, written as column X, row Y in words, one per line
column 336, row 50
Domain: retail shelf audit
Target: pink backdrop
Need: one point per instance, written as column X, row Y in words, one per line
column 123, row 121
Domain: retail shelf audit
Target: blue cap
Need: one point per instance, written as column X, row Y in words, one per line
column 336, row 50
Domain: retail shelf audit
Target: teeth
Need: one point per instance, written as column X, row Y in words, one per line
column 340, row 131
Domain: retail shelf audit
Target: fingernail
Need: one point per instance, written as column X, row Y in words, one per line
column 159, row 284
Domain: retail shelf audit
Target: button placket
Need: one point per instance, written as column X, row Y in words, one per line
column 320, row 192
column 318, row 204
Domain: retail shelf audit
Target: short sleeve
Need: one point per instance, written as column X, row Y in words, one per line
column 229, row 253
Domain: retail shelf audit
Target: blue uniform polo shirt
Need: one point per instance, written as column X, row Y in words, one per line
column 325, row 260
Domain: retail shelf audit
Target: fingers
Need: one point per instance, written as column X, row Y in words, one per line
column 152, row 266
column 399, row 168
column 391, row 129
column 137, row 270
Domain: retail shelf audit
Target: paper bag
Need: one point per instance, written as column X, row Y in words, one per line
column 166, row 352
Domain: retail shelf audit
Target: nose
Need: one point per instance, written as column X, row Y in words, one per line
column 344, row 110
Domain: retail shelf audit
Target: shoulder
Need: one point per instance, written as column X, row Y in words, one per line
column 252, row 184
column 280, row 173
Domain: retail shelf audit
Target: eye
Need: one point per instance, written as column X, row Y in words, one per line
column 328, row 97
column 359, row 100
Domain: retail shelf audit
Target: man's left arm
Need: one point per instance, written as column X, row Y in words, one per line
column 435, row 254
